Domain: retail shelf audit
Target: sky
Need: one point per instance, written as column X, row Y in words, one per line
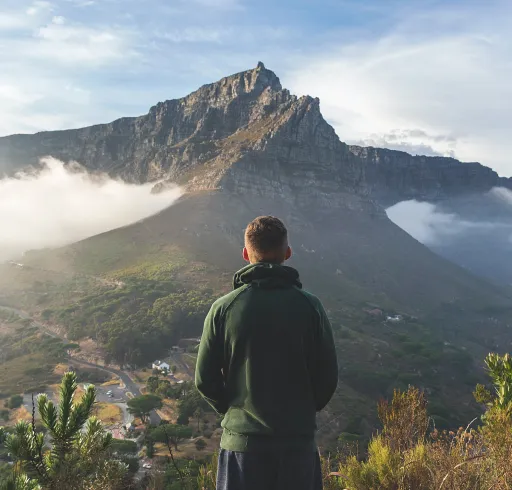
column 425, row 76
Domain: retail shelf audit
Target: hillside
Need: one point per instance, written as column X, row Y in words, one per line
column 244, row 147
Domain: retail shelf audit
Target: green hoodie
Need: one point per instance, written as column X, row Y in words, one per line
column 267, row 360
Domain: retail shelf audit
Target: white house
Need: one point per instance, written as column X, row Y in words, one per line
column 395, row 319
column 161, row 366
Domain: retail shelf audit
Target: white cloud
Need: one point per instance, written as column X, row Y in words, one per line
column 58, row 19
column 19, row 19
column 502, row 194
column 76, row 44
column 44, row 64
column 430, row 225
column 424, row 222
column 444, row 72
column 39, row 7
column 61, row 205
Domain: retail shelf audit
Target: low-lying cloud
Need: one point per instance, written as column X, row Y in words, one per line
column 432, row 226
column 62, row 204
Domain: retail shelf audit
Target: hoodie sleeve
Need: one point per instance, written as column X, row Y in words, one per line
column 325, row 370
column 209, row 378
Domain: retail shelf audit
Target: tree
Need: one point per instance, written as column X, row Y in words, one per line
column 198, row 413
column 174, row 368
column 200, row 444
column 170, row 433
column 73, row 455
column 141, row 406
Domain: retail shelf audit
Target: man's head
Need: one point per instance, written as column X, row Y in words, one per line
column 266, row 240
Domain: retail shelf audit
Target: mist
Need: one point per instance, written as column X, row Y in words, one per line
column 62, row 204
column 432, row 226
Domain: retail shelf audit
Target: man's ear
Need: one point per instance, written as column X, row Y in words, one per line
column 288, row 253
column 245, row 255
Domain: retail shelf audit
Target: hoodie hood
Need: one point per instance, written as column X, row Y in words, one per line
column 266, row 275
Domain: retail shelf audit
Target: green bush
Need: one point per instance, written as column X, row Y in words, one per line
column 200, row 444
column 123, row 446
column 15, row 401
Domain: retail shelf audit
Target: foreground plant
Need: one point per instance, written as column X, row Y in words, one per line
column 72, row 455
column 404, row 456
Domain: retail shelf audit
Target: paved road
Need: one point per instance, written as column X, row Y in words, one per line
column 131, row 386
column 129, row 383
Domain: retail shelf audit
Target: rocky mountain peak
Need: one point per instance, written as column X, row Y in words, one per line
column 246, row 133
column 246, row 83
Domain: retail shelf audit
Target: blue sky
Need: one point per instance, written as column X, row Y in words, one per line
column 426, row 76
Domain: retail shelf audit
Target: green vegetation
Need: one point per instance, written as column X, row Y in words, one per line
column 409, row 453
column 170, row 434
column 141, row 406
column 200, row 444
column 123, row 446
column 28, row 359
column 15, row 402
column 137, row 322
column 163, row 387
column 75, row 455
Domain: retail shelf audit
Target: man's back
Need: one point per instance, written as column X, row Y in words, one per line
column 272, row 336
column 267, row 362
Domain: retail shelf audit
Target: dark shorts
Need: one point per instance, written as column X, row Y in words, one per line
column 270, row 470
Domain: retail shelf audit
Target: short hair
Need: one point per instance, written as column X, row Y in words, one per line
column 267, row 238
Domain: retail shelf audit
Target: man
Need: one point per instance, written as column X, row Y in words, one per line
column 267, row 363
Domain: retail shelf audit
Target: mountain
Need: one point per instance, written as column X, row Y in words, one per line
column 246, row 133
column 393, row 176
column 242, row 147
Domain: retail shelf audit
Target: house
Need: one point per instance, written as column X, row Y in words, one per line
column 396, row 318
column 161, row 366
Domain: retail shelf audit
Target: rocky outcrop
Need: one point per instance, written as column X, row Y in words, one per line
column 391, row 176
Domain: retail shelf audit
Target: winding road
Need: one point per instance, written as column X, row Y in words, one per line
column 131, row 386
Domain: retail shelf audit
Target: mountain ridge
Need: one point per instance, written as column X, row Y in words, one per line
column 176, row 137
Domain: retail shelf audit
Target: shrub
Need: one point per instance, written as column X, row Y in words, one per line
column 15, row 401
column 405, row 456
column 200, row 444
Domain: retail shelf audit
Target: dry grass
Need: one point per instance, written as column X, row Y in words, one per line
column 405, row 457
column 188, row 450
column 169, row 410
column 112, row 382
column 60, row 369
column 19, row 414
column 108, row 413
column 141, row 376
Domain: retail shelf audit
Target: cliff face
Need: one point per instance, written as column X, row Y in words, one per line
column 392, row 176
